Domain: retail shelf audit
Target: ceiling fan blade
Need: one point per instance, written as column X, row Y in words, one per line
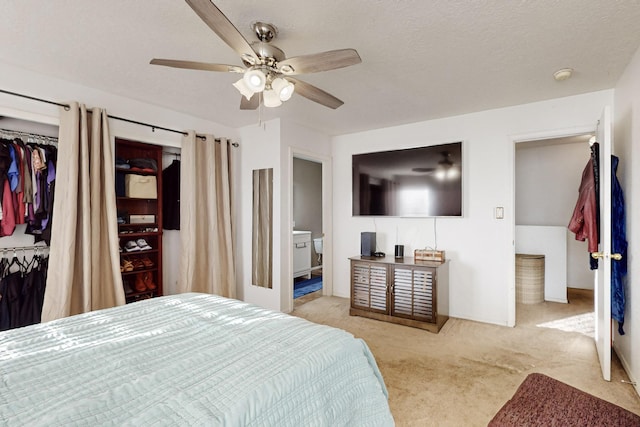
column 192, row 65
column 315, row 94
column 220, row 24
column 316, row 62
column 250, row 104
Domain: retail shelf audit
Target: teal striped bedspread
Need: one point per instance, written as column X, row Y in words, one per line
column 189, row 359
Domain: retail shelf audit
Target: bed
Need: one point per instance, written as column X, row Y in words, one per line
column 189, row 359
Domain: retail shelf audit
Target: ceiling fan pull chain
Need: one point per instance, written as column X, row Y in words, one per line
column 260, row 107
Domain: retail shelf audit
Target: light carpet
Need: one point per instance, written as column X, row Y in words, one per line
column 463, row 375
column 581, row 323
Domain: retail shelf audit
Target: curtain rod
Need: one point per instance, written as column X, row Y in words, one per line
column 67, row 107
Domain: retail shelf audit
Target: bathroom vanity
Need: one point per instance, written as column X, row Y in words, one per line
column 301, row 253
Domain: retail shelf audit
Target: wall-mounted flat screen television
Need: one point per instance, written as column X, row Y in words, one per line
column 414, row 182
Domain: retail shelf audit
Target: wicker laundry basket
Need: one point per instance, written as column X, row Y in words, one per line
column 529, row 278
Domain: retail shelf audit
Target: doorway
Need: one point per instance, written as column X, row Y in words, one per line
column 308, row 235
column 548, row 173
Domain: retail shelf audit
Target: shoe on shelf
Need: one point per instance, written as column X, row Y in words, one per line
column 148, row 281
column 131, row 246
column 147, row 262
column 140, row 285
column 127, row 288
column 143, row 245
column 138, row 264
column 126, row 266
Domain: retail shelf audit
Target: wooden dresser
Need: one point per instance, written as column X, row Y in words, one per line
column 400, row 290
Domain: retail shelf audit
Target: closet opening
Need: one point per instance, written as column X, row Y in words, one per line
column 554, row 282
column 28, row 154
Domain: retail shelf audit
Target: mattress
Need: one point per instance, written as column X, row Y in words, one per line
column 189, row 359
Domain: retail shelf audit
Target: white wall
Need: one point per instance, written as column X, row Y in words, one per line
column 552, row 243
column 482, row 281
column 547, row 182
column 627, row 147
column 260, row 149
column 38, row 85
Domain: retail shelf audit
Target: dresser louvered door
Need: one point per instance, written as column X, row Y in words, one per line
column 369, row 290
column 413, row 293
column 399, row 290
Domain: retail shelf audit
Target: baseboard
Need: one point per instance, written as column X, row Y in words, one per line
column 563, row 301
column 627, row 369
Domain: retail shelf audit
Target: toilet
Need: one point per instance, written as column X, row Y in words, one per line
column 317, row 245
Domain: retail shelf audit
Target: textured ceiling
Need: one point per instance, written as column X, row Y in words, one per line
column 420, row 59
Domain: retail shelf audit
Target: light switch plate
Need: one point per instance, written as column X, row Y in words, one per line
column 499, row 212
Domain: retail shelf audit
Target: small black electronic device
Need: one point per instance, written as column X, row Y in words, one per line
column 367, row 243
column 378, row 254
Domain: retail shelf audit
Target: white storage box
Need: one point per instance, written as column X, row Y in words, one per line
column 142, row 219
column 141, row 186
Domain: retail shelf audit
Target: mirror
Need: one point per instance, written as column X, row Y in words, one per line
column 262, row 235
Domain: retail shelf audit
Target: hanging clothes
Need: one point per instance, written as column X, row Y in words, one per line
column 41, row 163
column 22, row 286
column 583, row 222
column 171, row 196
column 618, row 245
column 27, row 180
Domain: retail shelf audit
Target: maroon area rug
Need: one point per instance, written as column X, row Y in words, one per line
column 543, row 401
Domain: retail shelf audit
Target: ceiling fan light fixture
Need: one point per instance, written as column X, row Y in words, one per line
column 243, row 89
column 271, row 98
column 283, row 88
column 255, row 80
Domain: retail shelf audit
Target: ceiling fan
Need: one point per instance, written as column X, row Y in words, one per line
column 267, row 72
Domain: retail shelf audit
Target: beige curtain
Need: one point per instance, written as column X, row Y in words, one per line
column 84, row 260
column 206, row 217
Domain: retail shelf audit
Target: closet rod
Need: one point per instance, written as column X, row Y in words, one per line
column 66, row 107
column 19, row 248
column 7, row 132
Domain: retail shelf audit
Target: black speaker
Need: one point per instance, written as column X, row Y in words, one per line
column 399, row 251
column 367, row 243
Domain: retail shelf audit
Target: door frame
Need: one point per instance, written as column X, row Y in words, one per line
column 602, row 280
column 516, row 139
column 327, row 223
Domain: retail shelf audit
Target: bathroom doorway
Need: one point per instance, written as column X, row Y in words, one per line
column 308, row 236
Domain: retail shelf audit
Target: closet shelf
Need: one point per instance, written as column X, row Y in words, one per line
column 140, row 234
column 129, row 199
column 136, row 172
column 136, row 296
column 148, row 251
column 141, row 270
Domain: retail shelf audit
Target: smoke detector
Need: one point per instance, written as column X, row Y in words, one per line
column 563, row 74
